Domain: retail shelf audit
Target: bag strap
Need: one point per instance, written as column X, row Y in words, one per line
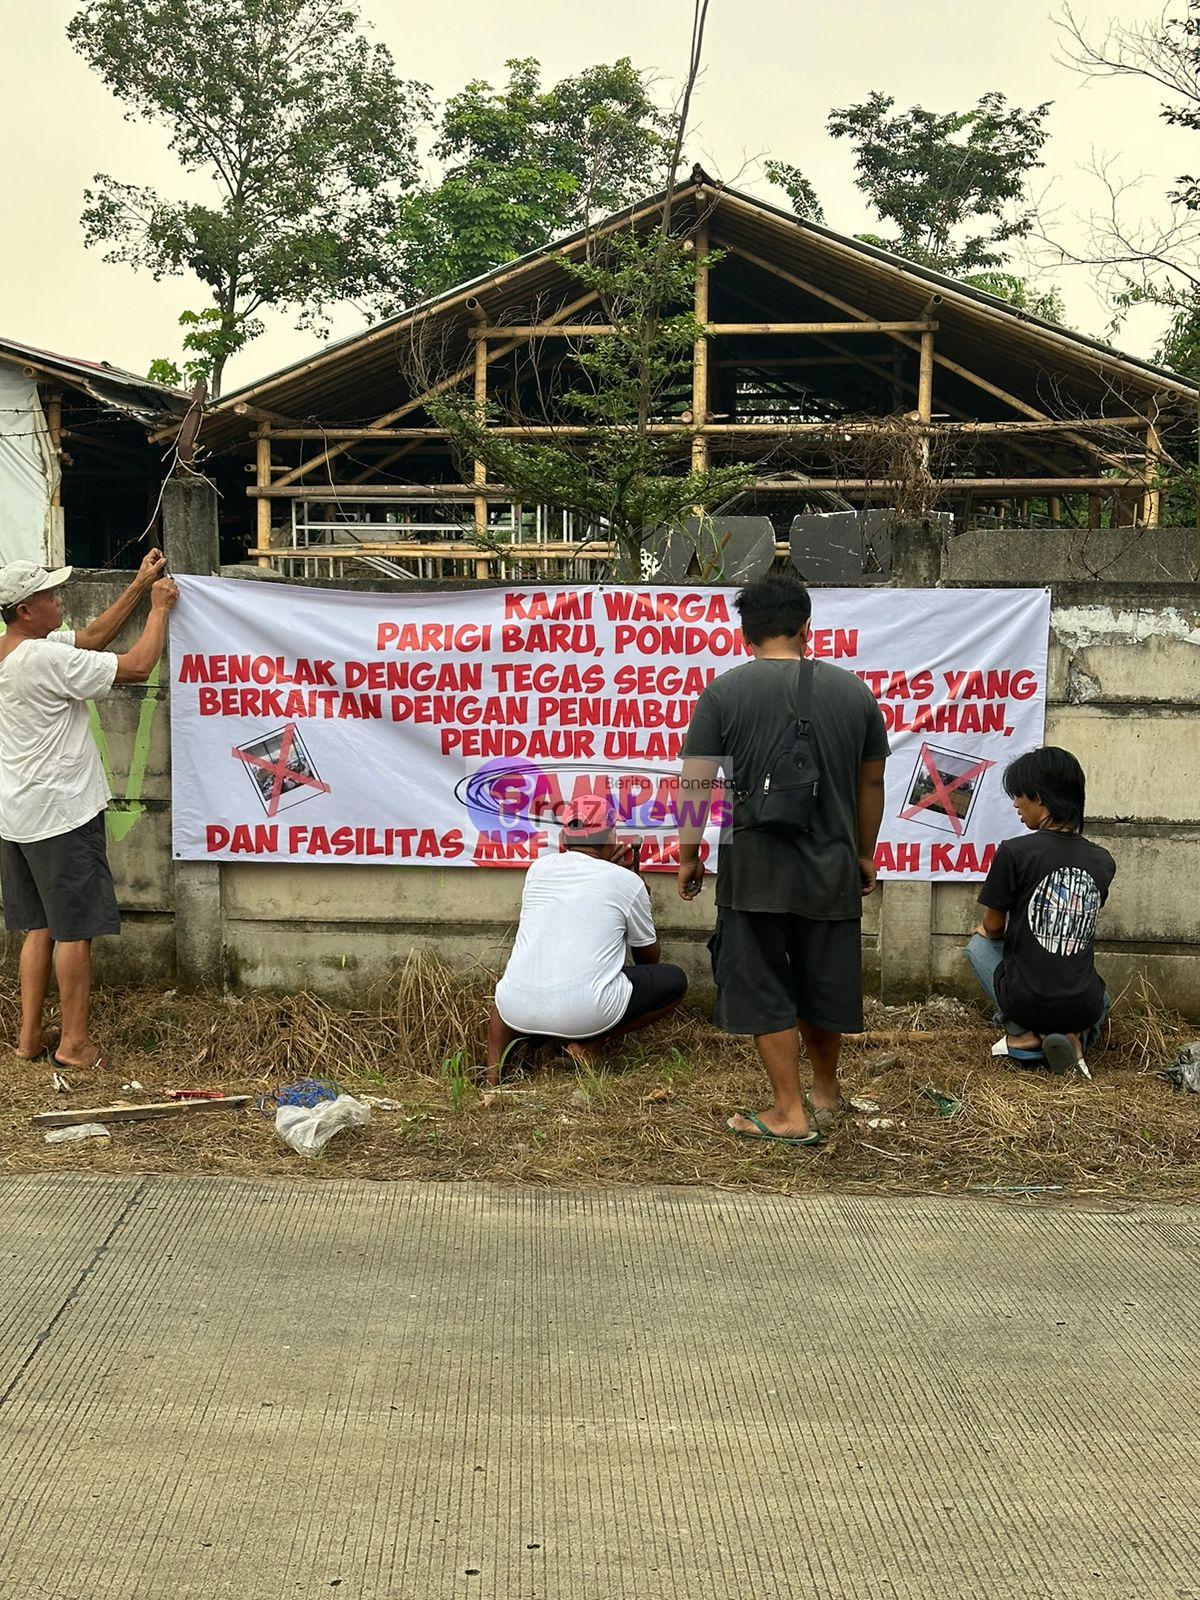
column 804, row 692
column 801, row 714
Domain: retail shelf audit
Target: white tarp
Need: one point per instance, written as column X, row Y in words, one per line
column 29, row 471
column 445, row 729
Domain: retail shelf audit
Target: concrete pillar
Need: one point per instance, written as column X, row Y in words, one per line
column 189, row 523
column 917, row 554
column 191, row 546
column 906, row 911
column 905, row 942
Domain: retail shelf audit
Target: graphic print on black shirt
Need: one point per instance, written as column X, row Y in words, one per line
column 1062, row 911
column 1052, row 886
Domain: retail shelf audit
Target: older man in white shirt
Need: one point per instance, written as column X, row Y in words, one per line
column 54, row 873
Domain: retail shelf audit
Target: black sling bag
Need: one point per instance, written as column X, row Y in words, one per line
column 783, row 800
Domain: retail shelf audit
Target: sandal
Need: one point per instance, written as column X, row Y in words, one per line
column 825, row 1118
column 1003, row 1051
column 1060, row 1055
column 98, row 1065
column 50, row 1041
column 765, row 1136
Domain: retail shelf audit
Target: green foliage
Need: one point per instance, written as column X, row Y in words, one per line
column 1180, row 346
column 455, row 1073
column 1019, row 292
column 797, row 188
column 951, row 188
column 624, row 482
column 303, row 131
column 523, row 163
column 207, row 344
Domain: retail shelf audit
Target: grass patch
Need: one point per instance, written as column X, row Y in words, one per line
column 652, row 1112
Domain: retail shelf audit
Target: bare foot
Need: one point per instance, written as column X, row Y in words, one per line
column 1024, row 1041
column 584, row 1055
column 50, row 1038
column 90, row 1059
column 786, row 1127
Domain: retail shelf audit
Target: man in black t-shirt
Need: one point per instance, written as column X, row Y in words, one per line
column 787, row 951
column 1041, row 898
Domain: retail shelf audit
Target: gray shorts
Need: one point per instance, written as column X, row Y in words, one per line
column 773, row 967
column 62, row 884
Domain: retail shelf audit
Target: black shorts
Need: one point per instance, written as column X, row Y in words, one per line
column 654, row 986
column 772, row 968
column 62, row 884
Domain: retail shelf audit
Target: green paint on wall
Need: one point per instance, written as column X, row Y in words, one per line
column 119, row 824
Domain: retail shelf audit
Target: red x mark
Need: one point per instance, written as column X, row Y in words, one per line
column 942, row 791
column 280, row 769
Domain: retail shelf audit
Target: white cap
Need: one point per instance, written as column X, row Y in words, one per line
column 21, row 580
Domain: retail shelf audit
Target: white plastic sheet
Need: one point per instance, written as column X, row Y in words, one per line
column 29, row 471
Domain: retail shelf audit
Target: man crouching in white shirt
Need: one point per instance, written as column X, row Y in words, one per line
column 56, row 884
column 566, row 978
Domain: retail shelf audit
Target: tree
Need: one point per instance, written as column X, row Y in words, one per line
column 624, row 480
column 1019, row 292
column 950, row 190
column 299, row 126
column 1157, row 261
column 522, row 164
column 797, row 188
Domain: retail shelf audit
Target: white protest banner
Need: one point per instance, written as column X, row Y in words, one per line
column 310, row 725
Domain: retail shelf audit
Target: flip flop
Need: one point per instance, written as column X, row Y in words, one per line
column 1002, row 1051
column 1060, row 1054
column 824, row 1118
column 50, row 1040
column 70, row 1066
column 765, row 1136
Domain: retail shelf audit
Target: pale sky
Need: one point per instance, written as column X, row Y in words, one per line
column 773, row 70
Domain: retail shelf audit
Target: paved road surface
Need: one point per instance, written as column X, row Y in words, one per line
column 268, row 1390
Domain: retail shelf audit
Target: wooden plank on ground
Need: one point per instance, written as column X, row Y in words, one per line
column 130, row 1113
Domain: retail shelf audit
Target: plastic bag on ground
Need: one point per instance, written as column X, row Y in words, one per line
column 308, row 1129
column 77, row 1132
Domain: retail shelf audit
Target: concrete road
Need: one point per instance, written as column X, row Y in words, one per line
column 269, row 1390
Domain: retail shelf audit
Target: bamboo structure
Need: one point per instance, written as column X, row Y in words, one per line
column 813, row 358
column 699, row 418
column 480, row 470
column 264, row 485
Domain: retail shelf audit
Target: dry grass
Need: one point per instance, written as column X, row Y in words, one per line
column 654, row 1113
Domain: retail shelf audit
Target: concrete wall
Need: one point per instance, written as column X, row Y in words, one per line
column 1124, row 695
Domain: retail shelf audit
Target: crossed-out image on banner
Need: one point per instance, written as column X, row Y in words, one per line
column 280, row 768
column 943, row 789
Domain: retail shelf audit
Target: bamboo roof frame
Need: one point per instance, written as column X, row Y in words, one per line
column 279, row 409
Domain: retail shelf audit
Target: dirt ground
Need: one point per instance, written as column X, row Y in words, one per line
column 947, row 1118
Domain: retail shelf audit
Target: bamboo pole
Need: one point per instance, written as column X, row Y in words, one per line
column 55, row 429
column 479, row 469
column 925, row 393
column 715, row 330
column 262, row 542
column 496, row 491
column 1152, row 503
column 700, row 357
column 956, row 367
column 577, row 431
column 418, row 401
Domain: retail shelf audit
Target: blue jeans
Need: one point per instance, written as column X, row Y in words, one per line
column 983, row 957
